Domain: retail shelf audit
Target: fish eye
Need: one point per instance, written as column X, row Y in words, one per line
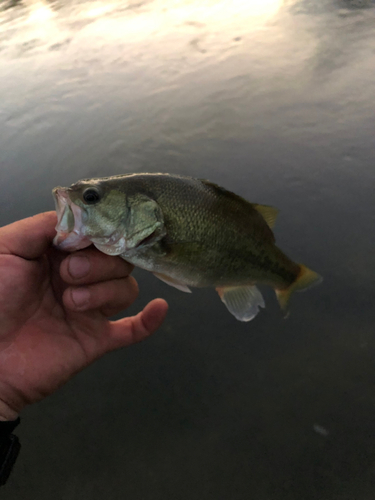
column 91, row 196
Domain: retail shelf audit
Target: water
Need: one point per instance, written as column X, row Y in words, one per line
column 273, row 100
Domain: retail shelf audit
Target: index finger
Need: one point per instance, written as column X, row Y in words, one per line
column 91, row 266
column 28, row 238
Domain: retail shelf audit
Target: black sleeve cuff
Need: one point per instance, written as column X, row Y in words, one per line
column 9, row 449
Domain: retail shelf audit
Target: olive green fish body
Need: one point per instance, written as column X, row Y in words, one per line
column 189, row 232
column 213, row 237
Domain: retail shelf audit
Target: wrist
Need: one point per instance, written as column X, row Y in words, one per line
column 7, row 413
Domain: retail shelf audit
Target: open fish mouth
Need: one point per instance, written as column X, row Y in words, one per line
column 69, row 228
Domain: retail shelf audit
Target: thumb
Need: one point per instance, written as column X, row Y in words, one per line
column 127, row 331
column 28, row 238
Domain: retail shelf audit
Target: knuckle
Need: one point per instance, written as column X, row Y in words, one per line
column 81, row 297
column 122, row 266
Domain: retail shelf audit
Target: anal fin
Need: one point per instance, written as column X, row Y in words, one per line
column 170, row 281
column 242, row 301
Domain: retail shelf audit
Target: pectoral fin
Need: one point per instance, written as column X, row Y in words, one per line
column 242, row 301
column 180, row 286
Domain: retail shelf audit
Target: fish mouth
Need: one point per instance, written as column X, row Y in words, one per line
column 70, row 235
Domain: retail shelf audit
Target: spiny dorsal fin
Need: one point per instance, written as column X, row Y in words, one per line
column 223, row 191
column 268, row 213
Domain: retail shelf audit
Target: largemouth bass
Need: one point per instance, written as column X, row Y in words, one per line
column 188, row 232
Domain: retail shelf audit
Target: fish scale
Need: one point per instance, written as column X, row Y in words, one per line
column 188, row 232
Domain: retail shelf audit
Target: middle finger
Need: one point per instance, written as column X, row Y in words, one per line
column 109, row 297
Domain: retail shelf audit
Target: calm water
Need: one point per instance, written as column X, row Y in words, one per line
column 274, row 100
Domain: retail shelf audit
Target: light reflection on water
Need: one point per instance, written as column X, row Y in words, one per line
column 137, row 22
column 274, row 100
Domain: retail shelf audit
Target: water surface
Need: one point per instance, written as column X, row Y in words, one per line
column 273, row 100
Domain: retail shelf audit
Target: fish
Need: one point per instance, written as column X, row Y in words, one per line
column 188, row 232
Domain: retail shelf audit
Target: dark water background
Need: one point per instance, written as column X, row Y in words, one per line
column 274, row 100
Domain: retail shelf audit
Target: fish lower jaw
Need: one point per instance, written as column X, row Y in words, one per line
column 111, row 246
column 69, row 242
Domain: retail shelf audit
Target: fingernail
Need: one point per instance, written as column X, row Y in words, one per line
column 80, row 297
column 78, row 266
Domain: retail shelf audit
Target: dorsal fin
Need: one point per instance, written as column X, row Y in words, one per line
column 224, row 191
column 268, row 213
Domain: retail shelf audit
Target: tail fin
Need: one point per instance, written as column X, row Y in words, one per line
column 306, row 279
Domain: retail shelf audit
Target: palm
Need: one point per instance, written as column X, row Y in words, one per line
column 51, row 342
column 43, row 341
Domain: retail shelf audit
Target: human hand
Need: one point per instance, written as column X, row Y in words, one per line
column 54, row 309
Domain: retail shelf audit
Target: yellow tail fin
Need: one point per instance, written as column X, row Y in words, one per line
column 306, row 279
